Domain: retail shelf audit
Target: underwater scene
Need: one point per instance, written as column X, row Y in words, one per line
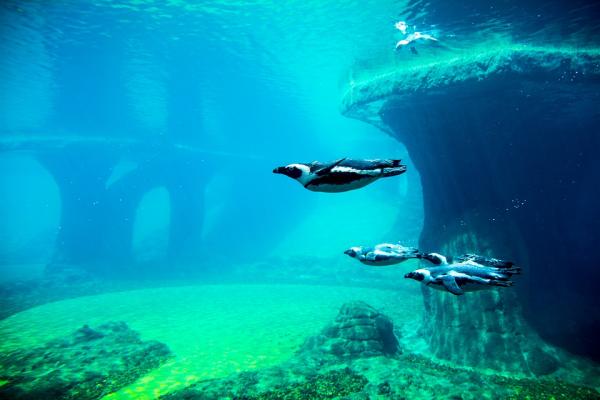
column 299, row 199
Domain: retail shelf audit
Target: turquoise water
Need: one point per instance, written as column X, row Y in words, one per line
column 137, row 144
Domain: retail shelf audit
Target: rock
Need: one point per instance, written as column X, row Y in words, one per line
column 384, row 388
column 88, row 364
column 437, row 109
column 85, row 334
column 541, row 363
column 358, row 331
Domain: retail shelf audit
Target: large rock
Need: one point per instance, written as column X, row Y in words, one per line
column 88, row 364
column 358, row 331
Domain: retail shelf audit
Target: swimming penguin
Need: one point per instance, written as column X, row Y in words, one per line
column 341, row 175
column 413, row 37
column 383, row 254
column 439, row 259
column 486, row 261
column 466, row 276
column 435, row 258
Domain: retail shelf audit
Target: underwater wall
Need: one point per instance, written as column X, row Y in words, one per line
column 116, row 106
column 100, row 197
column 505, row 141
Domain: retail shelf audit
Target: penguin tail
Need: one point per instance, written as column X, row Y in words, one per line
column 501, row 283
column 505, row 264
column 514, row 270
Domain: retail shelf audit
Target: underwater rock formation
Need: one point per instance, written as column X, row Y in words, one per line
column 505, row 141
column 88, row 364
column 358, row 331
column 318, row 372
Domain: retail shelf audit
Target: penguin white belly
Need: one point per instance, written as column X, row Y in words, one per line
column 343, row 179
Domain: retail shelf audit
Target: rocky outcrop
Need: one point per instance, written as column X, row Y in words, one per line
column 505, row 141
column 88, row 364
column 358, row 331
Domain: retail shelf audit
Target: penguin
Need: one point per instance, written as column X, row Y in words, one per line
column 413, row 37
column 436, row 258
column 439, row 259
column 466, row 276
column 486, row 261
column 341, row 175
column 383, row 254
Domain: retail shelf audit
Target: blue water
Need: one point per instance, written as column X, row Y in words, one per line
column 138, row 139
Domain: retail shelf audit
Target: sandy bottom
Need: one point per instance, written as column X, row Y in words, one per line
column 213, row 330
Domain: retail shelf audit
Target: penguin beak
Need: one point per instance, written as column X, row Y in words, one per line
column 278, row 170
column 350, row 252
column 409, row 275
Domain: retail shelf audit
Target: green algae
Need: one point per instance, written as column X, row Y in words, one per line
column 323, row 386
column 86, row 364
column 513, row 388
column 402, row 377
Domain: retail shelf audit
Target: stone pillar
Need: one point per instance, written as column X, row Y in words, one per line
column 81, row 175
column 186, row 189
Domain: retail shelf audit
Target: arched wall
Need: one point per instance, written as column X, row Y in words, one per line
column 30, row 215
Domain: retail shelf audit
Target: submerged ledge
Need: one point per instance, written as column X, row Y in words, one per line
column 364, row 97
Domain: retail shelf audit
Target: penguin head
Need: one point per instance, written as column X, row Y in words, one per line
column 418, row 275
column 352, row 251
column 294, row 171
column 436, row 258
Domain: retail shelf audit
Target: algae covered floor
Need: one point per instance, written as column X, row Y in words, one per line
column 213, row 330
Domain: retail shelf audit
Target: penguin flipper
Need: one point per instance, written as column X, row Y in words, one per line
column 474, row 259
column 450, row 284
column 327, row 169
